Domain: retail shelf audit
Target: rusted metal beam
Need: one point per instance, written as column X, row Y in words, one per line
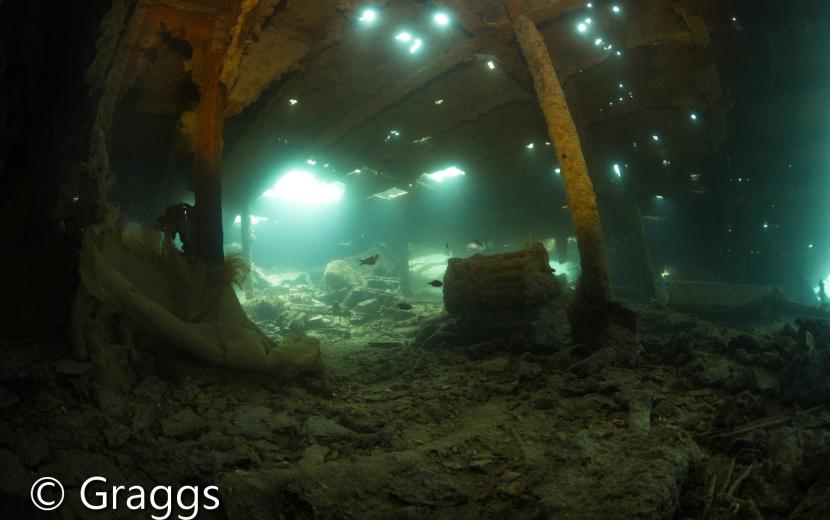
column 594, row 289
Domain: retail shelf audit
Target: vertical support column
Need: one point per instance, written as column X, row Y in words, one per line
column 594, row 288
column 96, row 179
column 247, row 241
column 406, row 286
column 561, row 245
column 207, row 169
column 641, row 246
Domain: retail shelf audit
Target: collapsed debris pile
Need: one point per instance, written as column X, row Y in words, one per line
column 344, row 304
column 512, row 296
column 710, row 423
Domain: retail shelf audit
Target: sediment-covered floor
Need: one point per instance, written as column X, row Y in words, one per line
column 711, row 423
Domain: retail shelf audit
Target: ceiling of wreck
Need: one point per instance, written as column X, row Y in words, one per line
column 670, row 90
column 752, row 73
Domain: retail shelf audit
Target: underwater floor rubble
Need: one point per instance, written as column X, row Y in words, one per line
column 712, row 423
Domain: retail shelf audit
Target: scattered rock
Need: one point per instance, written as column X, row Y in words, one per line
column 529, row 370
column 639, row 412
column 710, row 371
column 340, row 274
column 370, row 306
column 70, row 367
column 259, row 421
column 600, row 359
column 495, row 366
column 184, row 423
column 72, row 467
column 384, row 284
column 315, row 454
column 117, row 435
column 32, row 451
column 16, row 480
column 320, row 428
column 144, row 415
column 418, row 486
column 481, row 464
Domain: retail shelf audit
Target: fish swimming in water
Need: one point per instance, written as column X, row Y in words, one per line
column 436, row 283
column 372, row 260
column 405, row 306
column 476, row 246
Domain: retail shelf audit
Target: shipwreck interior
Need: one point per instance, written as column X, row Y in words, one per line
column 346, row 259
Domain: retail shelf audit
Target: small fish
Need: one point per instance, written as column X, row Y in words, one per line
column 405, row 306
column 436, row 283
column 476, row 246
column 372, row 260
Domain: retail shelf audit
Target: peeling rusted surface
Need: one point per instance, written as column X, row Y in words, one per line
column 595, row 285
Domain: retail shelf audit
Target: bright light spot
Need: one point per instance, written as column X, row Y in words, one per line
column 589, row 21
column 590, row 5
column 619, row 53
column 665, row 273
column 391, row 193
column 598, row 42
column 765, row 226
column 254, row 219
column 547, row 143
column 441, row 19
column 622, row 86
column 391, row 134
column 655, row 138
column 734, row 19
column 416, row 45
column 582, row 27
column 693, row 116
column 617, row 170
column 301, row 186
column 292, row 101
column 440, row 175
column 810, row 246
column 530, row 146
column 491, row 65
column 659, row 197
column 310, row 162
column 558, row 170
column 439, row 101
column 616, row 9
column 404, row 37
column 368, row 16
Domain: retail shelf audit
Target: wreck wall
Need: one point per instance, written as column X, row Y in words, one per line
column 46, row 48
